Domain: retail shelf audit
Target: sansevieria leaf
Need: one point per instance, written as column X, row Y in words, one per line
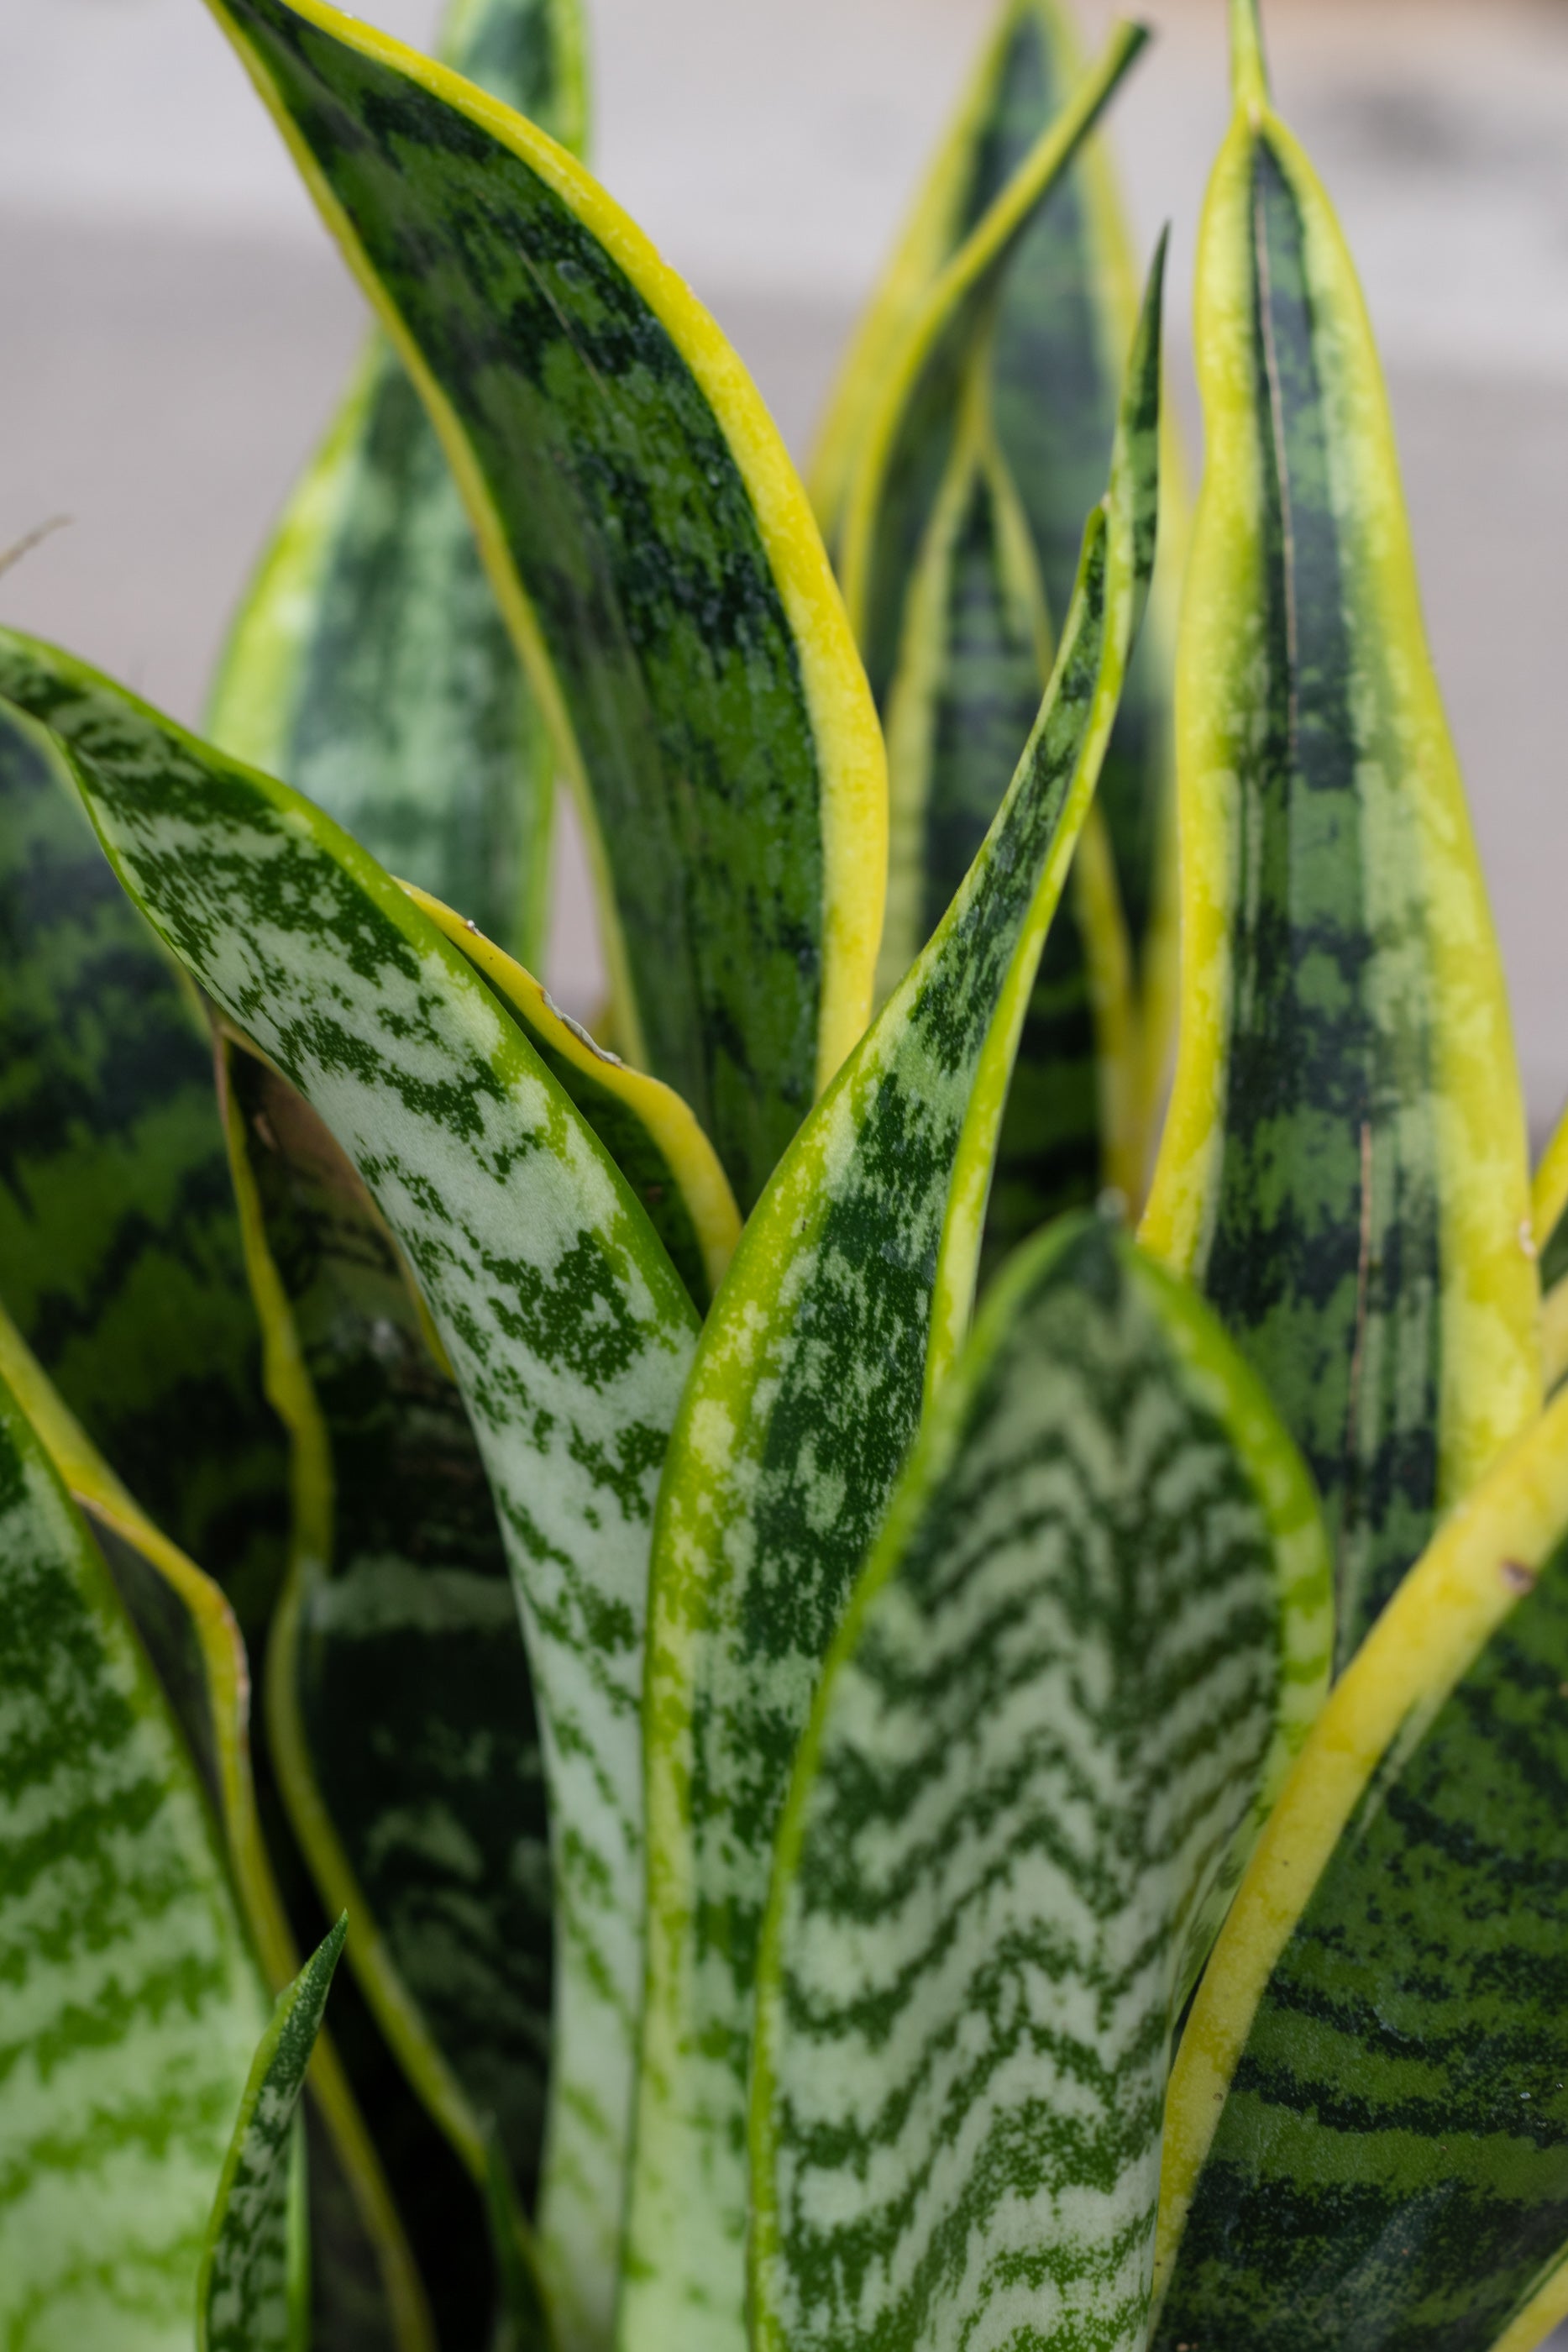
column 852, row 1286
column 647, row 1129
column 119, row 1251
column 133, row 2002
column 1093, row 1635
column 369, row 664
column 401, row 1714
column 1367, row 2133
column 253, row 2292
column 653, row 554
column 367, row 2279
column 1342, row 1170
column 1549, row 1221
column 569, row 1333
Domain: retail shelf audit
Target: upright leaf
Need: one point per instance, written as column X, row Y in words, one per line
column 120, row 1251
column 252, row 2294
column 569, row 1331
column 1094, row 1632
column 1366, row 2140
column 369, row 664
column 402, row 1720
column 1342, row 1170
column 647, row 1129
column 1549, row 1226
column 366, row 2289
column 653, row 554
column 851, row 1285
column 132, row 2003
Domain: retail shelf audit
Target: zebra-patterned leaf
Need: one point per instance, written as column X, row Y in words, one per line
column 119, row 1251
column 1065, row 321
column 568, row 1330
column 974, row 657
column 252, row 2293
column 191, row 1640
column 1094, row 1632
column 401, row 1716
column 1549, row 1223
column 653, row 552
column 1342, row 1170
column 647, row 1129
column 369, row 664
column 132, row 2003
column 903, row 456
column 1366, row 2141
column 851, row 1284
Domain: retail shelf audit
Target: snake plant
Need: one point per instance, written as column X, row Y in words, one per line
column 833, row 1669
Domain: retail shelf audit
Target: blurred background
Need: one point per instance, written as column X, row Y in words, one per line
column 177, row 328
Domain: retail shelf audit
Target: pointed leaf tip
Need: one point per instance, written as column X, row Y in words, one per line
column 1249, row 64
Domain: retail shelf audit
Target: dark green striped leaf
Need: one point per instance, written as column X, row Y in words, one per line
column 132, row 2003
column 1342, row 1170
column 653, row 554
column 569, row 1332
column 252, row 2293
column 1367, row 2133
column 369, row 664
column 647, row 1129
column 851, row 1289
column 193, row 1642
column 908, row 438
column 403, row 1722
column 120, row 1251
column 1093, row 1635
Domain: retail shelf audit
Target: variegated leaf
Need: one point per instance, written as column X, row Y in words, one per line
column 1366, row 2140
column 1549, row 1223
column 367, row 2292
column 647, row 1129
column 569, row 1331
column 252, row 2293
column 401, row 1717
column 1342, row 1170
column 653, row 554
column 1093, row 1635
column 132, row 2001
column 852, row 1287
column 369, row 664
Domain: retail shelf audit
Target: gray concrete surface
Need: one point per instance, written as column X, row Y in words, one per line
column 176, row 326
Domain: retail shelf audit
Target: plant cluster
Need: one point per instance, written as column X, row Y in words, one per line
column 923, row 1666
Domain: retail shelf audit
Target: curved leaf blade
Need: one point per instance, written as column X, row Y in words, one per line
column 851, row 1285
column 401, row 1714
column 1365, row 2135
column 133, row 2003
column 1342, row 1170
column 1093, row 1635
column 253, row 2292
column 369, row 664
column 194, row 1644
column 654, row 556
column 568, row 1330
column 646, row 1129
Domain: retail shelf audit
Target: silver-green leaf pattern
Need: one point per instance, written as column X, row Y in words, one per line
column 1094, row 1631
column 568, row 1330
column 852, row 1287
column 253, row 2292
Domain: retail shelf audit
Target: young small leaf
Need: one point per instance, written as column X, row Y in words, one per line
column 1094, row 1632
column 1343, row 1171
column 654, row 556
column 852, row 1285
column 252, row 2294
column 369, row 664
column 568, row 1330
